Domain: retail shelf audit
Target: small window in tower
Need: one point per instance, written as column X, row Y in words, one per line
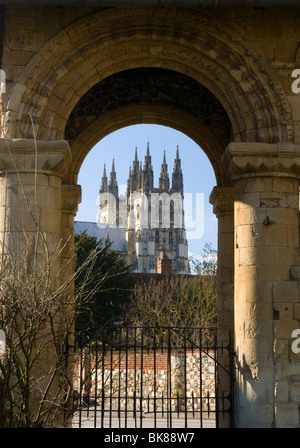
column 172, row 213
column 160, row 213
column 171, row 237
column 157, row 236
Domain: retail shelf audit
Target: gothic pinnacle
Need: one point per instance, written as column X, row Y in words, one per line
column 177, row 178
column 103, row 187
column 113, row 185
column 113, row 166
column 164, row 177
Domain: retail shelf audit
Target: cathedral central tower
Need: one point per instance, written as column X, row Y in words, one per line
column 153, row 218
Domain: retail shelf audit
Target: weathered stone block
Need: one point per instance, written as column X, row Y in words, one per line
column 281, row 350
column 273, row 199
column 244, row 236
column 295, row 392
column 295, row 272
column 286, row 414
column 292, row 200
column 283, row 216
column 279, row 272
column 283, row 253
column 284, row 328
column 247, row 273
column 276, row 235
column 297, row 311
column 282, row 392
column 290, row 371
column 246, row 199
column 286, row 310
column 285, row 291
column 293, row 236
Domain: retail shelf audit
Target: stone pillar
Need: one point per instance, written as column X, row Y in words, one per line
column 31, row 174
column 30, row 192
column 71, row 198
column 178, row 380
column 222, row 200
column 266, row 240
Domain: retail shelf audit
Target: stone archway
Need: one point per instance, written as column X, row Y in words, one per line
column 149, row 95
column 95, row 55
column 107, row 42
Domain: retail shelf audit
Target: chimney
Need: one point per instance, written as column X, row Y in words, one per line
column 164, row 265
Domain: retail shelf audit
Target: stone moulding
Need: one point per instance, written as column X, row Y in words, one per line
column 71, row 198
column 154, row 3
column 262, row 160
column 222, row 199
column 29, row 155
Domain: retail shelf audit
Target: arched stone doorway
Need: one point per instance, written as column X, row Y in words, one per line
column 113, row 68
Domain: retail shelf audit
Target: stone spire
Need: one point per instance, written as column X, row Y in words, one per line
column 177, row 177
column 148, row 172
column 113, row 185
column 136, row 163
column 164, row 182
column 134, row 174
column 103, row 187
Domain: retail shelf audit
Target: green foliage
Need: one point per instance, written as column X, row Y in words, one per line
column 207, row 264
column 103, row 286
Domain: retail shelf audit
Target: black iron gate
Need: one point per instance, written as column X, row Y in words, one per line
column 154, row 377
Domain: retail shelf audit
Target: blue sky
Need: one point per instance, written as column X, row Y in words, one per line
column 198, row 175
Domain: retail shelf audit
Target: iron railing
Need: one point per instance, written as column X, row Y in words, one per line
column 153, row 377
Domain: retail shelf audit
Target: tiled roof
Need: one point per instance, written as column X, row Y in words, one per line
column 116, row 235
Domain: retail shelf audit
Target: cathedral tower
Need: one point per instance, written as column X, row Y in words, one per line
column 155, row 218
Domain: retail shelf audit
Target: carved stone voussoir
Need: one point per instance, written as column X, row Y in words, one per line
column 28, row 155
column 262, row 160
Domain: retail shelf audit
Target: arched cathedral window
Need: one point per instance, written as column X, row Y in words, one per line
column 157, row 236
column 160, row 213
column 172, row 213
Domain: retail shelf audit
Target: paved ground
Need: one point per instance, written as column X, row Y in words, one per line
column 92, row 419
